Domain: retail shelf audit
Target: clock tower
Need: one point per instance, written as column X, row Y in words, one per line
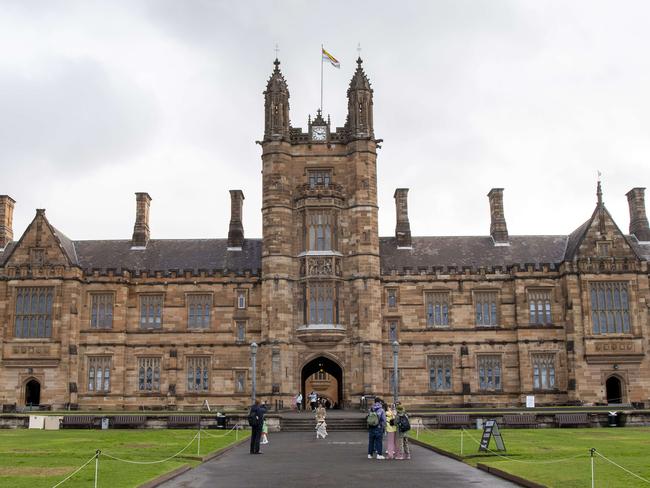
column 321, row 291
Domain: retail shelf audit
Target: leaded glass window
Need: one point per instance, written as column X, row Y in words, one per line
column 489, row 373
column 34, row 312
column 241, row 299
column 101, row 311
column 151, row 307
column 610, row 308
column 539, row 306
column 198, row 311
column 198, row 374
column 240, row 381
column 240, row 330
column 543, row 371
column 320, row 231
column 440, row 373
column 149, row 374
column 391, row 294
column 485, row 305
column 99, row 374
column 319, row 178
column 392, row 330
column 322, row 303
column 437, row 309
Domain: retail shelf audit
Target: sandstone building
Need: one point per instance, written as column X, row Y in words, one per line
column 482, row 320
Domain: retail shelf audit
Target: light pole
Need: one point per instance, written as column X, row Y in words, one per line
column 395, row 372
column 254, row 365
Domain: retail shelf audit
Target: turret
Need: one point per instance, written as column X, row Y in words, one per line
column 359, row 122
column 276, row 107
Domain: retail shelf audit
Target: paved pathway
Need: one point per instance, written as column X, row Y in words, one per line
column 297, row 459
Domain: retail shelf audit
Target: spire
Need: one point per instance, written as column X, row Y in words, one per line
column 601, row 207
column 276, row 106
column 360, row 119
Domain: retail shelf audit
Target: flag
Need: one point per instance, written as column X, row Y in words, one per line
column 331, row 59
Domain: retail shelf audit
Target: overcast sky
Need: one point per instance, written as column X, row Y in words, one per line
column 99, row 100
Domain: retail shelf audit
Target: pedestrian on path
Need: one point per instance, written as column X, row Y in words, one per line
column 403, row 427
column 321, row 426
column 256, row 421
column 391, row 431
column 376, row 421
column 265, row 433
column 299, row 401
column 313, row 398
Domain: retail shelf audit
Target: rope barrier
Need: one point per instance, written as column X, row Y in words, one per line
column 152, row 462
column 205, row 432
column 78, row 469
column 619, row 466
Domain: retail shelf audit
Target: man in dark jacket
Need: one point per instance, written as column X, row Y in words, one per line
column 376, row 433
column 256, row 421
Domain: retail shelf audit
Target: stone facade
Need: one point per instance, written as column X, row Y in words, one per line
column 482, row 320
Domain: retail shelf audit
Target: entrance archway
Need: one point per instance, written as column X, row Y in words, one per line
column 325, row 377
column 32, row 392
column 614, row 389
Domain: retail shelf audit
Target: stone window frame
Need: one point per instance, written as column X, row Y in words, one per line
column 313, row 308
column 236, row 374
column 240, row 325
column 312, row 242
column 447, row 361
column 101, row 297
column 204, row 363
column 533, row 297
column 389, row 322
column 435, row 297
column 241, row 298
column 312, row 174
column 38, row 317
column 97, row 367
column 144, row 317
column 394, row 291
column 144, row 363
column 604, row 248
column 616, row 313
column 547, row 373
column 207, row 300
column 494, row 311
column 492, row 376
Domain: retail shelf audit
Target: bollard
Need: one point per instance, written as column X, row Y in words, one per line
column 462, row 432
column 198, row 447
column 592, row 451
column 97, row 453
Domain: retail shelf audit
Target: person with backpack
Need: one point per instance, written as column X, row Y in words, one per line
column 256, row 421
column 376, row 421
column 403, row 427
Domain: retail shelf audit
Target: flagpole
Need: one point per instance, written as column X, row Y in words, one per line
column 321, row 78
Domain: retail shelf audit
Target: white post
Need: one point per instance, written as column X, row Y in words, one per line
column 592, row 450
column 96, row 466
column 417, row 432
column 236, row 432
column 462, row 433
column 198, row 447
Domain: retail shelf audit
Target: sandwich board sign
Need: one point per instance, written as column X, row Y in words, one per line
column 491, row 429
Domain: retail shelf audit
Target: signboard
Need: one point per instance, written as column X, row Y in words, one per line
column 491, row 429
column 530, row 401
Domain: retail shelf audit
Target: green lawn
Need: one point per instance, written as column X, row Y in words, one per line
column 37, row 458
column 532, row 454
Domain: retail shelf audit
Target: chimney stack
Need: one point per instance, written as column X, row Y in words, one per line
column 403, row 227
column 236, row 228
column 638, row 220
column 6, row 220
column 498, row 227
column 141, row 229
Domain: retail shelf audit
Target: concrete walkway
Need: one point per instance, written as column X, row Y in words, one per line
column 297, row 459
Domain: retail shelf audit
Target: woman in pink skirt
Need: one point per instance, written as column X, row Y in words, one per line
column 391, row 432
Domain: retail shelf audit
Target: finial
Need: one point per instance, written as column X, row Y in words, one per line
column 359, row 61
column 318, row 112
column 277, row 50
column 599, row 191
column 277, row 64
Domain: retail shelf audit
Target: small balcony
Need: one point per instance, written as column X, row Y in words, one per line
column 321, row 335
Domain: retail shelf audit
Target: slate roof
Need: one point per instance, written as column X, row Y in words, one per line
column 472, row 251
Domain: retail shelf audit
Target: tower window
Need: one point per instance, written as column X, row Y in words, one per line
column 322, row 303
column 320, row 231
column 319, row 178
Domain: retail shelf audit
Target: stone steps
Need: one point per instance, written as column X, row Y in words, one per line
column 333, row 424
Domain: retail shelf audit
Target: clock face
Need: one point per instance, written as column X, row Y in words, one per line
column 319, row 133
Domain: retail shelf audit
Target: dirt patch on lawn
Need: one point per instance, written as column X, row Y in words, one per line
column 35, row 471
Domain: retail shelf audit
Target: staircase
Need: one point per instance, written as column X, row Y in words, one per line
column 307, row 423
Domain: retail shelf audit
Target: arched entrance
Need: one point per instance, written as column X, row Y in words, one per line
column 614, row 388
column 32, row 392
column 325, row 377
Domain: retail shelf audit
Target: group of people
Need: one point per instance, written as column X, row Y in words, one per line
column 393, row 422
column 313, row 399
column 259, row 427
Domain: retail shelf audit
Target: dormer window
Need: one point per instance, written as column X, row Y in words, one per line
column 603, row 248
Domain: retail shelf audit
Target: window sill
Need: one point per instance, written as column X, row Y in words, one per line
column 148, row 394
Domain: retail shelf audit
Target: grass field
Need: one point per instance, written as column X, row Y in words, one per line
column 37, row 458
column 535, row 454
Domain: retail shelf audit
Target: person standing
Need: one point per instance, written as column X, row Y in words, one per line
column 391, row 431
column 256, row 421
column 313, row 398
column 299, row 401
column 403, row 426
column 376, row 421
